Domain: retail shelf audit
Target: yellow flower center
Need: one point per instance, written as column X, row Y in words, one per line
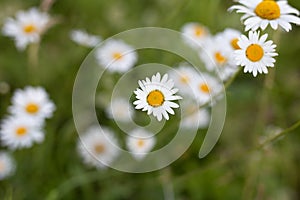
column 140, row 143
column 198, row 31
column 21, row 131
column 254, row 52
column 30, row 28
column 117, row 56
column 220, row 58
column 234, row 43
column 32, row 108
column 184, row 79
column 155, row 98
column 204, row 88
column 267, row 9
column 99, row 148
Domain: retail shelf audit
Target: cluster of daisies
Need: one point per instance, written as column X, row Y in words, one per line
column 24, row 125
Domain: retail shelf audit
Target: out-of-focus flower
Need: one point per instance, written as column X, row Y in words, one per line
column 81, row 37
column 20, row 132
column 261, row 13
column 7, row 165
column 140, row 142
column 193, row 116
column 32, row 102
column 120, row 110
column 27, row 27
column 98, row 147
column 195, row 34
column 156, row 96
column 116, row 56
column 256, row 54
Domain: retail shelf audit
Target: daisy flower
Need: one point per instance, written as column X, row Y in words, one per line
column 193, row 117
column 256, row 54
column 32, row 102
column 156, row 96
column 261, row 13
column 81, row 37
column 183, row 76
column 27, row 27
column 116, row 56
column 205, row 88
column 120, row 110
column 7, row 165
column 140, row 142
column 195, row 34
column 218, row 57
column 98, row 147
column 230, row 37
column 20, row 132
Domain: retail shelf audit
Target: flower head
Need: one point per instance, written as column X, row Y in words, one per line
column 140, row 142
column 27, row 27
column 81, row 37
column 20, row 132
column 116, row 56
column 156, row 96
column 98, row 147
column 261, row 13
column 120, row 110
column 7, row 165
column 256, row 54
column 195, row 34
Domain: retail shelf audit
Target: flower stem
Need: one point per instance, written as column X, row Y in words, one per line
column 33, row 53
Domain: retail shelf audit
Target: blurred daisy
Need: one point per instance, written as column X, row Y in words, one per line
column 81, row 37
column 218, row 57
column 195, row 34
column 19, row 132
column 193, row 117
column 230, row 37
column 116, row 56
column 27, row 27
column 7, row 165
column 256, row 54
column 206, row 88
column 140, row 142
column 261, row 13
column 98, row 148
column 120, row 110
column 32, row 102
column 183, row 76
column 156, row 96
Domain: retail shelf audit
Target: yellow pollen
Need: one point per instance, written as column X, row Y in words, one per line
column 204, row 88
column 198, row 31
column 21, row 131
column 30, row 28
column 184, row 79
column 99, row 148
column 267, row 9
column 140, row 143
column 254, row 52
column 155, row 98
column 220, row 58
column 117, row 56
column 32, row 108
column 234, row 43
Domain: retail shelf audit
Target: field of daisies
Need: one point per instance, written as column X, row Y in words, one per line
column 158, row 99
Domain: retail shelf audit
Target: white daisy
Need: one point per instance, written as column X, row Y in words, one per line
column 256, row 54
column 98, row 148
column 218, row 57
column 27, row 27
column 116, row 56
column 195, row 34
column 120, row 110
column 183, row 76
column 81, row 37
column 19, row 132
column 7, row 165
column 206, row 88
column 230, row 37
column 193, row 116
column 261, row 13
column 156, row 96
column 32, row 102
column 140, row 142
